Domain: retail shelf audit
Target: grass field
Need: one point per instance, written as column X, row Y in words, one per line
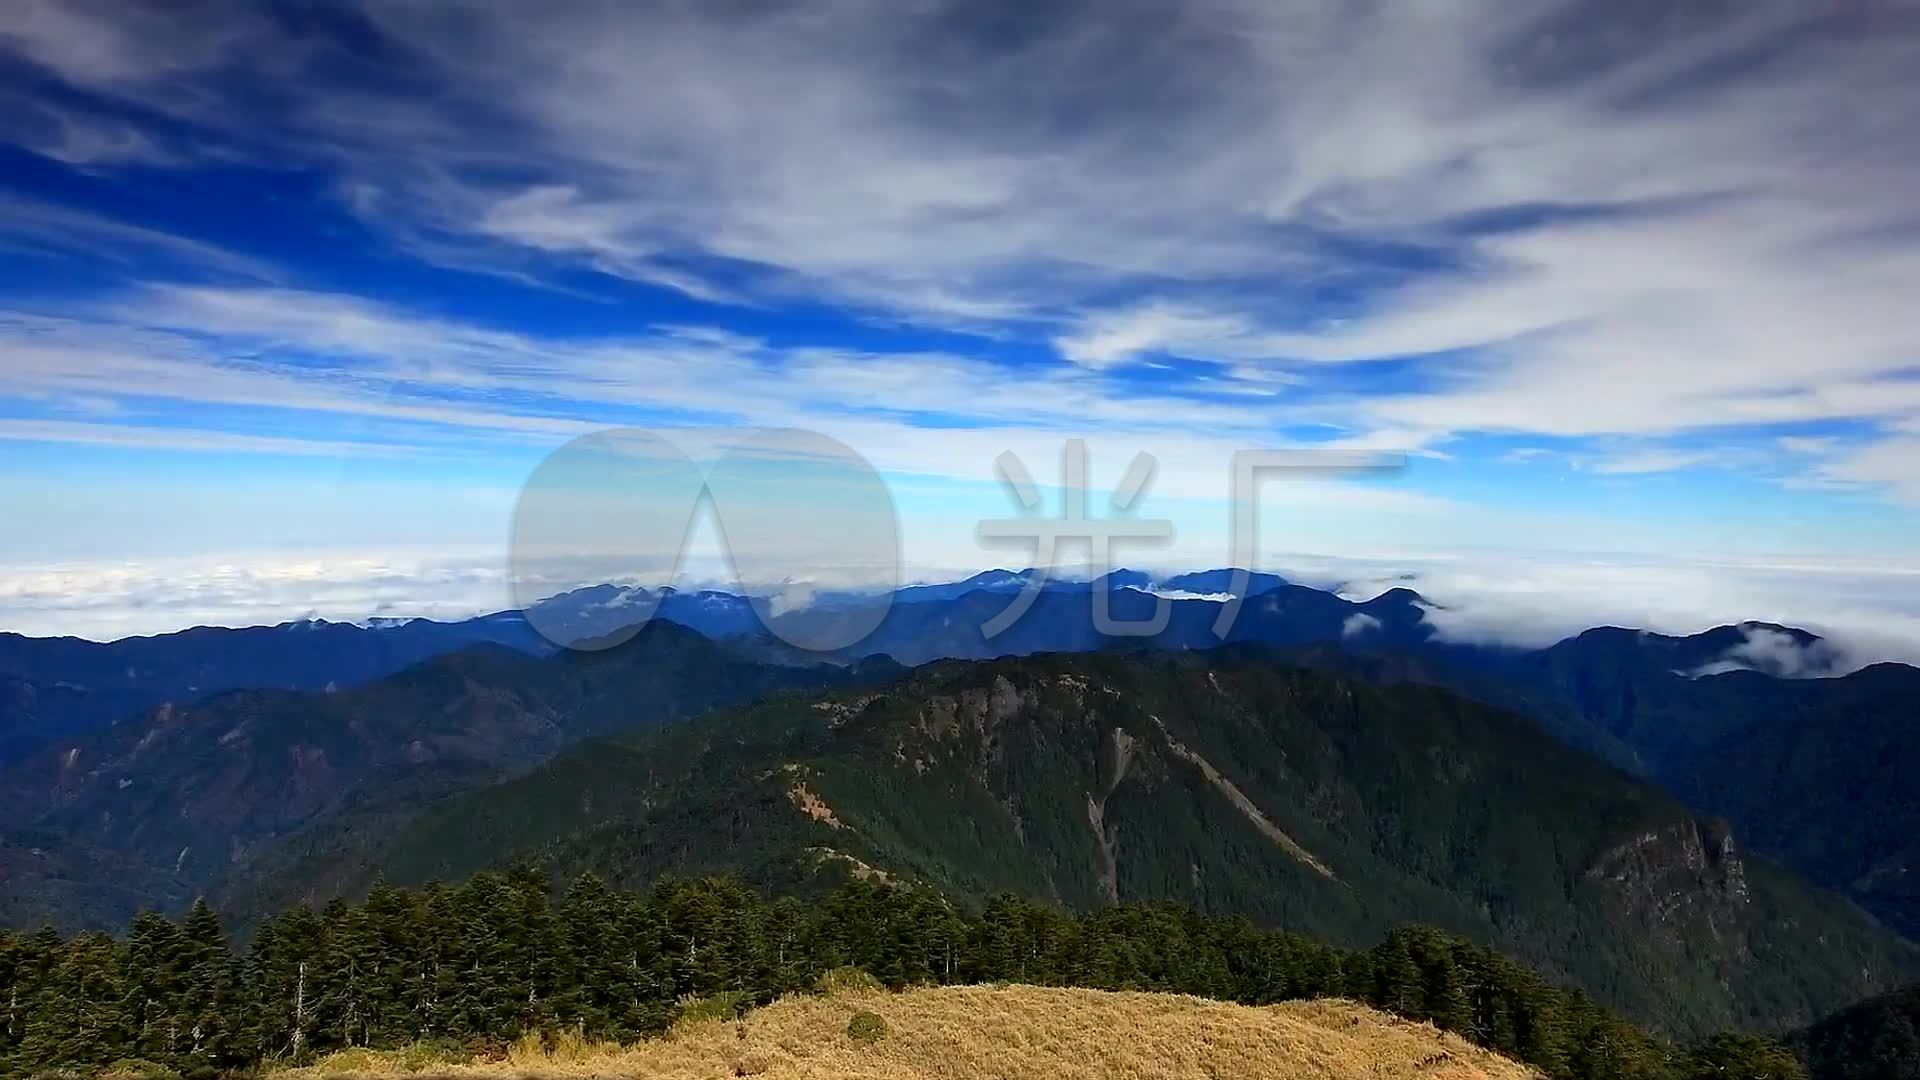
column 1003, row 1033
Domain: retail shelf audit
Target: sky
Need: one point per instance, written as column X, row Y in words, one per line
column 294, row 299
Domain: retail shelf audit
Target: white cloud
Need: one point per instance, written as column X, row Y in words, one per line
column 1182, row 594
column 1892, row 463
column 244, row 589
column 1653, row 461
column 1865, row 613
column 1359, row 624
column 177, row 438
column 1581, row 220
column 1777, row 652
column 1869, row 611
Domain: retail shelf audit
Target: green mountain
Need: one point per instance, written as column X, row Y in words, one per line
column 1877, row 1039
column 1223, row 780
column 1811, row 771
column 1823, row 781
column 189, row 794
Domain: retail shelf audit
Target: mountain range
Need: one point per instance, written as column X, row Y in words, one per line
column 1228, row 780
column 1611, row 808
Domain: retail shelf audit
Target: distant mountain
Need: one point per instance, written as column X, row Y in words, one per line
column 54, row 688
column 1219, row 582
column 1812, row 771
column 925, row 623
column 1808, row 769
column 194, row 790
column 1823, row 778
column 1223, row 780
column 603, row 611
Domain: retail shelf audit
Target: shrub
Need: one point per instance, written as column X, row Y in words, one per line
column 412, row 1058
column 725, row 1005
column 843, row 980
column 137, row 1069
column 528, row 1050
column 867, row 1027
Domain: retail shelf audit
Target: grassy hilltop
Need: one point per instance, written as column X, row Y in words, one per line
column 1009, row 1033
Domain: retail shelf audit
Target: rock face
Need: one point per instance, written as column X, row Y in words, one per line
column 1681, row 883
column 1222, row 781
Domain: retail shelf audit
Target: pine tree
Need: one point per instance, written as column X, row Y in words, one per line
column 283, row 979
column 14, row 969
column 391, row 921
column 644, row 978
column 1358, row 980
column 1397, row 979
column 75, row 1018
column 530, row 946
column 1729, row 1056
column 155, row 1000
column 1543, row 1026
column 342, row 978
column 438, row 998
column 207, row 989
column 1607, row 1048
column 1445, row 994
column 1495, row 1001
column 483, row 1001
column 590, row 970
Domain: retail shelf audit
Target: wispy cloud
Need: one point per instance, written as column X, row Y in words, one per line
column 177, row 438
column 40, row 226
column 1870, row 611
column 1588, row 220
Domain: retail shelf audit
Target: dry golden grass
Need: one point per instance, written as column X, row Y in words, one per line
column 1002, row 1033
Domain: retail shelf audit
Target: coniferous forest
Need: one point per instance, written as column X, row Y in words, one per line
column 490, row 960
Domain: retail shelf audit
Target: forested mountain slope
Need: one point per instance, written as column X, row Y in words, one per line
column 1877, row 1039
column 192, row 791
column 1812, row 771
column 1225, row 780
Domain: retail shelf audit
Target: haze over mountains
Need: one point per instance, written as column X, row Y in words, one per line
column 1627, row 791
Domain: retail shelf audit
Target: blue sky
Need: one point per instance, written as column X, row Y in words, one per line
column 293, row 299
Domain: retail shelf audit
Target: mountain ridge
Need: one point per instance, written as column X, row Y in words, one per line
column 1093, row 778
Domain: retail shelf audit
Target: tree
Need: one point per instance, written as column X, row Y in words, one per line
column 75, row 1018
column 154, row 987
column 1397, row 981
column 1729, row 1056
column 18, row 979
column 207, row 990
column 282, row 978
column 391, row 920
column 590, row 973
